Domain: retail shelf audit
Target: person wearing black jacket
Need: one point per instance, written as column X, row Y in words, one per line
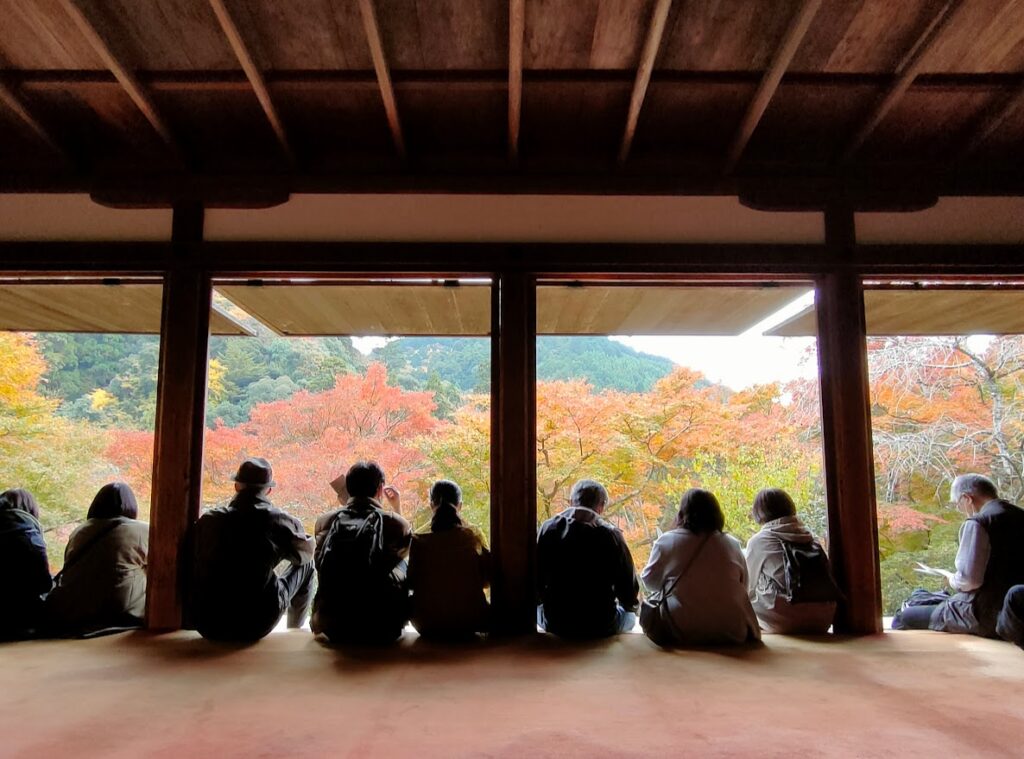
column 24, row 569
column 236, row 593
column 587, row 585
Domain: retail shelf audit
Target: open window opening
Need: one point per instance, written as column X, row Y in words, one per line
column 391, row 369
column 654, row 387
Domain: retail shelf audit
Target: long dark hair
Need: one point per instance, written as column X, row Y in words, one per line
column 771, row 504
column 699, row 512
column 114, row 500
column 445, row 497
column 21, row 500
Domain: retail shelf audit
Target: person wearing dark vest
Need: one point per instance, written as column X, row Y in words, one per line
column 989, row 561
column 362, row 595
column 24, row 568
column 586, row 582
column 236, row 593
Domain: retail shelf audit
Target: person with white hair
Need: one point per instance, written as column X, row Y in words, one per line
column 989, row 561
column 587, row 584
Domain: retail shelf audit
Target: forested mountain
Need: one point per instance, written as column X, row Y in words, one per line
column 111, row 379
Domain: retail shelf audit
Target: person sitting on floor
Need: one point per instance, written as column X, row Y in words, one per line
column 783, row 540
column 701, row 574
column 24, row 567
column 448, row 571
column 362, row 595
column 102, row 586
column 587, row 585
column 1010, row 623
column 988, row 563
column 237, row 595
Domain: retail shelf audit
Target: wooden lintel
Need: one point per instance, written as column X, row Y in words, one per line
column 122, row 72
column 652, row 43
column 516, row 33
column 906, row 71
column 795, row 33
column 253, row 73
column 380, row 66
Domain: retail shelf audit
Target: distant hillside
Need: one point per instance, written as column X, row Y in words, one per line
column 465, row 362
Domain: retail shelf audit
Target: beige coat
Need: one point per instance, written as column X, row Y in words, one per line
column 448, row 572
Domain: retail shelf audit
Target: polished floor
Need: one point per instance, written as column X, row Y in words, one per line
column 915, row 694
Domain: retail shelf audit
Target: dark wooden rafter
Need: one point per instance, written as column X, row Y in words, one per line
column 10, row 99
column 798, row 27
column 906, row 72
column 252, row 72
column 516, row 33
column 380, row 66
column 991, row 123
column 648, row 56
column 121, row 71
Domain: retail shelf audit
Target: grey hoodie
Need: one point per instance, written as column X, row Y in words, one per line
column 767, row 579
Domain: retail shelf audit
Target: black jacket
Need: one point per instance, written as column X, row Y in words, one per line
column 583, row 568
column 24, row 572
column 236, row 593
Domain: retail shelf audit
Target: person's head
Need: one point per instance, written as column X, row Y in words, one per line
column 445, row 502
column 365, row 479
column 771, row 504
column 254, row 475
column 970, row 492
column 699, row 512
column 445, row 493
column 20, row 500
column 114, row 500
column 588, row 494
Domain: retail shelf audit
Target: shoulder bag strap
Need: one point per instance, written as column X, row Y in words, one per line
column 85, row 549
column 669, row 588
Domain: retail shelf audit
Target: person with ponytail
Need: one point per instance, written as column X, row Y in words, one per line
column 448, row 571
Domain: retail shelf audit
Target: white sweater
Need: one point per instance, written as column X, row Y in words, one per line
column 709, row 604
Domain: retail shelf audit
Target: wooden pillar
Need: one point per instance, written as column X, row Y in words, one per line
column 846, row 432
column 514, row 451
column 180, row 419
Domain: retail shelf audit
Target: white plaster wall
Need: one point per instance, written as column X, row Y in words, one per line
column 951, row 220
column 40, row 217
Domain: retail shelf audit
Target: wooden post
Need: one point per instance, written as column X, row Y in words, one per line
column 514, row 451
column 846, row 433
column 180, row 419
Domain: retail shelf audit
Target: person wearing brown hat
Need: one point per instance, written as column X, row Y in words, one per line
column 236, row 593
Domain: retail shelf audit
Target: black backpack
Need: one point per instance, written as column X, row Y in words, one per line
column 808, row 574
column 353, row 555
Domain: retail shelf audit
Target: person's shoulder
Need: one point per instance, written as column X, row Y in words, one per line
column 324, row 521
column 396, row 520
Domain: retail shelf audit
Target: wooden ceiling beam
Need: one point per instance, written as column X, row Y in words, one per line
column 906, row 71
column 516, row 34
column 648, row 56
column 380, row 66
column 10, row 99
column 121, row 71
column 798, row 27
column 252, row 73
column 991, row 123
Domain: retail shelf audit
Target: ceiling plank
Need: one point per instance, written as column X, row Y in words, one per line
column 652, row 44
column 252, row 72
column 380, row 65
column 907, row 70
column 121, row 71
column 795, row 34
column 10, row 99
column 516, row 33
column 991, row 123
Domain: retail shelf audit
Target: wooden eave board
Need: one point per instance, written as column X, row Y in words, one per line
column 928, row 312
column 401, row 309
column 92, row 308
column 656, row 310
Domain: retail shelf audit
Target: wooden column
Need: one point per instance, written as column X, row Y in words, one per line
column 514, row 451
column 846, row 428
column 180, row 419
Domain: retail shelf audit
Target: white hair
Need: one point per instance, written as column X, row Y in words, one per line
column 974, row 485
column 588, row 494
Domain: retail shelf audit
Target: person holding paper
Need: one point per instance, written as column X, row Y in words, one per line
column 988, row 563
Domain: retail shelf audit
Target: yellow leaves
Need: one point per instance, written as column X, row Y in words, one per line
column 99, row 399
column 215, row 380
column 21, row 368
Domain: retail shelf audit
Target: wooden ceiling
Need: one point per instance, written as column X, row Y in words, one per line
column 350, row 94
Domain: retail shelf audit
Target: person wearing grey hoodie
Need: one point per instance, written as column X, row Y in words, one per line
column 767, row 580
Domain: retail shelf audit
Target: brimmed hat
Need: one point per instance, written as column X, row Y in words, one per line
column 255, row 472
